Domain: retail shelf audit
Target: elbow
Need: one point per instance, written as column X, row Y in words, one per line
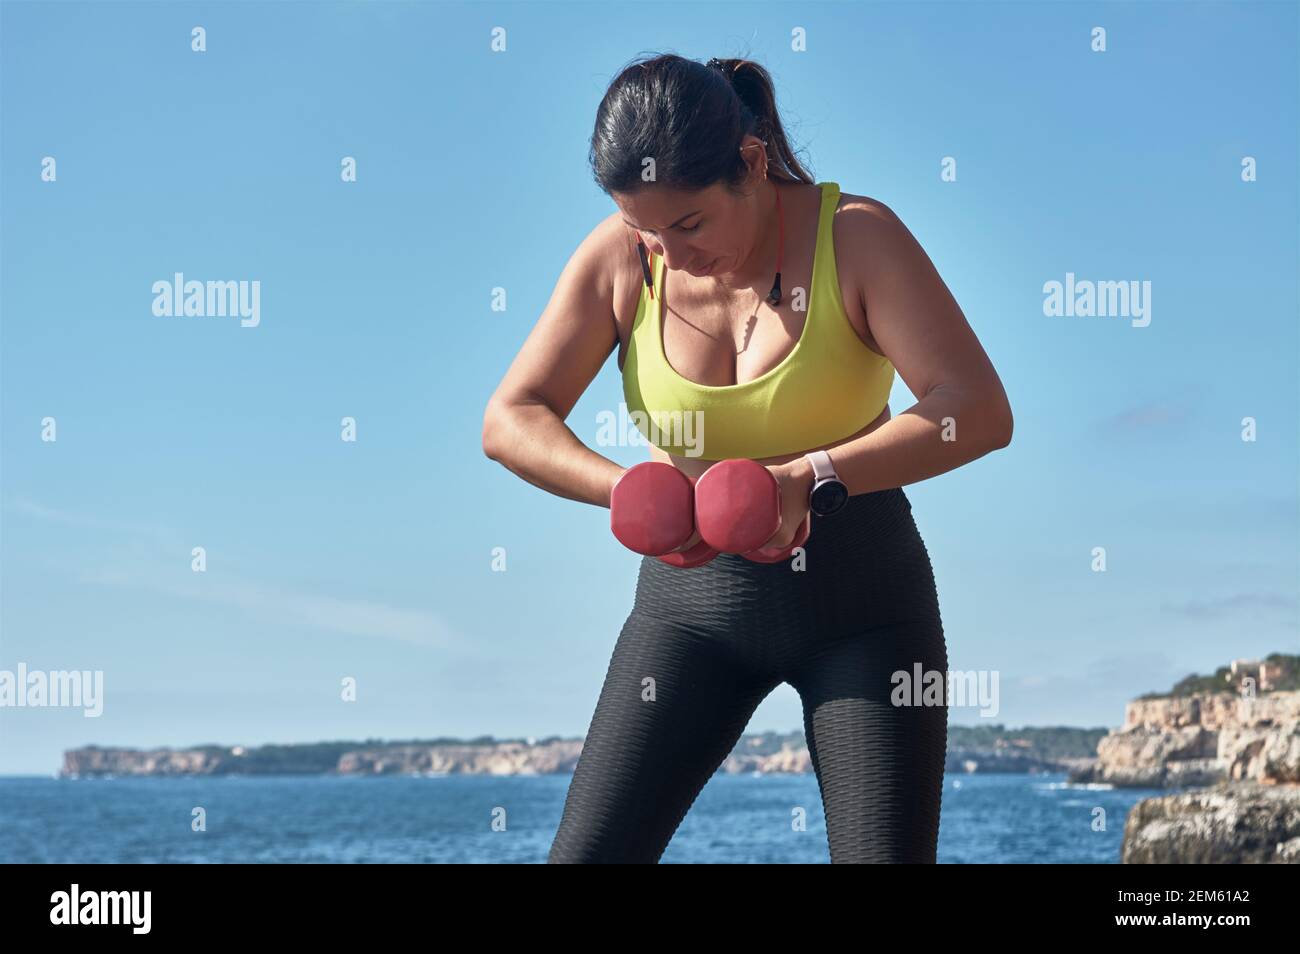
column 492, row 432
column 1005, row 426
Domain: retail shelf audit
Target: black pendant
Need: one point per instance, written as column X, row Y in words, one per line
column 774, row 296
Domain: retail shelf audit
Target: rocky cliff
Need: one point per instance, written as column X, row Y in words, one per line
column 486, row 758
column 92, row 761
column 1201, row 739
column 1244, row 746
column 501, row 758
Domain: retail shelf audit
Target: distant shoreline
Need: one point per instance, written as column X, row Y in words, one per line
column 971, row 749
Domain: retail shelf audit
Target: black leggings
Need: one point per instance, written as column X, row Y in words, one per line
column 703, row 647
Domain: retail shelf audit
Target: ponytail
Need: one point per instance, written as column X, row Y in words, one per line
column 756, row 91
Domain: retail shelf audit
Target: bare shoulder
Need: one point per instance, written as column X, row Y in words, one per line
column 607, row 251
column 867, row 225
column 912, row 313
column 608, row 260
column 864, row 205
column 883, row 263
column 575, row 333
column 622, row 268
column 864, row 229
column 615, row 238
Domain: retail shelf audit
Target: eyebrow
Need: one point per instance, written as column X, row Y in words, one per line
column 674, row 225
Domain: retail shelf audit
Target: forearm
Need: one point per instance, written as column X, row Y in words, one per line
column 942, row 431
column 531, row 441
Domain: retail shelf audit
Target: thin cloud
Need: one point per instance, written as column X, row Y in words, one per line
column 1147, row 417
column 1112, row 668
column 278, row 606
column 271, row 604
column 1237, row 603
column 85, row 521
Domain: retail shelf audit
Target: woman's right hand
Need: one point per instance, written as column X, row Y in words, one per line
column 695, row 538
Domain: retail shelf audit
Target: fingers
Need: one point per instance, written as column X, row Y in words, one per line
column 789, row 529
column 778, row 554
column 695, row 538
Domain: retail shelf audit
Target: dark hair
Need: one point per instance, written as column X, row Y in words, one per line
column 690, row 118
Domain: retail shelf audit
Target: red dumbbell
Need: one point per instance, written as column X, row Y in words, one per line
column 738, row 509
column 780, row 554
column 652, row 511
column 652, row 508
column 737, row 505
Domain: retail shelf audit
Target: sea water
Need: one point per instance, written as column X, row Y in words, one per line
column 773, row 818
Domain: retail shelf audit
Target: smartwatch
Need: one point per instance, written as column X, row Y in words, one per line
column 828, row 494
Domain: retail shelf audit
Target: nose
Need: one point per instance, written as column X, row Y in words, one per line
column 675, row 253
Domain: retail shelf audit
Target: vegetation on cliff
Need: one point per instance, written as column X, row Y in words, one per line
column 1285, row 677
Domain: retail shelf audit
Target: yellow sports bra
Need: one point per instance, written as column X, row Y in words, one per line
column 829, row 386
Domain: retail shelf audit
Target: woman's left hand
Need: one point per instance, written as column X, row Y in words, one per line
column 795, row 480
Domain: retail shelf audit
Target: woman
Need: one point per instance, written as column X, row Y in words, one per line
column 772, row 311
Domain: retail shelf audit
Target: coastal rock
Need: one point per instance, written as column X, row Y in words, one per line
column 504, row 758
column 1230, row 823
column 1262, row 752
column 787, row 759
column 1205, row 710
column 117, row 761
column 1288, row 852
column 1201, row 740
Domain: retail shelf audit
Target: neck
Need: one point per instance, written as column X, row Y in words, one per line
column 759, row 266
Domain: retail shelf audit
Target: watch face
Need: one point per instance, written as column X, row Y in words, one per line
column 828, row 497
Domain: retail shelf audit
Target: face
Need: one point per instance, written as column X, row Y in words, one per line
column 709, row 232
column 694, row 232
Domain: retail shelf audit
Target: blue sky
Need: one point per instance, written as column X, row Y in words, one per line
column 372, row 559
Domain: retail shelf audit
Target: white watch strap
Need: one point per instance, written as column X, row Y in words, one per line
column 821, row 465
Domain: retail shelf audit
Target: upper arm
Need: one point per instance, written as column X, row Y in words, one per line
column 913, row 316
column 574, row 334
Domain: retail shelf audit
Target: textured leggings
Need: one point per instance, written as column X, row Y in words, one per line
column 702, row 648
